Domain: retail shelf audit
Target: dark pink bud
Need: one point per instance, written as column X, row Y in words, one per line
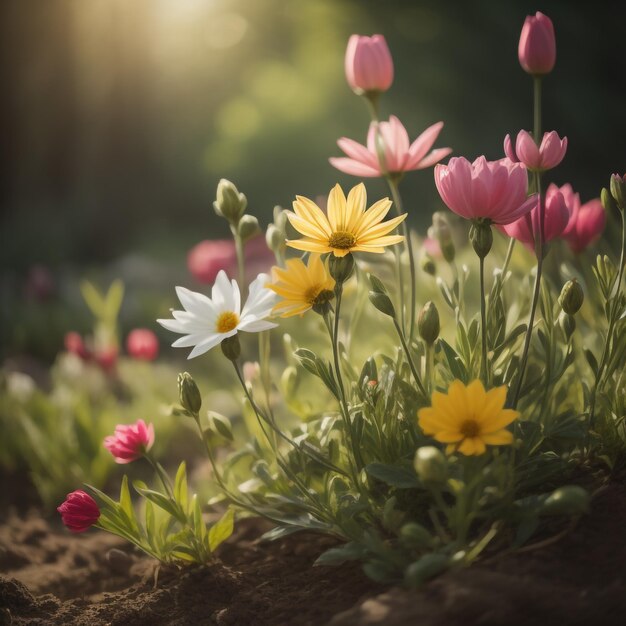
column 142, row 344
column 75, row 345
column 587, row 226
column 79, row 511
column 537, row 45
column 130, row 442
column 106, row 358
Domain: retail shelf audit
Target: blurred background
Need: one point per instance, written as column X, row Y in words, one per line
column 119, row 117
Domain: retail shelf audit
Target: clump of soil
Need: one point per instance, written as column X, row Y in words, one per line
column 51, row 577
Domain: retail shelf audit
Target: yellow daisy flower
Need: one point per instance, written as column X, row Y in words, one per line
column 348, row 227
column 468, row 418
column 301, row 286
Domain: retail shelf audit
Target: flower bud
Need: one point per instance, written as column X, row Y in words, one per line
column 289, row 381
column 382, row 302
column 481, row 238
column 572, row 297
column 568, row 500
column 608, row 203
column 368, row 64
column 431, row 465
column 567, row 324
column 341, row 268
column 441, row 232
column 142, row 344
column 189, row 394
column 618, row 190
column 130, row 441
column 229, row 204
column 231, row 348
column 248, row 227
column 428, row 323
column 79, row 511
column 428, row 265
column 274, row 238
column 537, row 45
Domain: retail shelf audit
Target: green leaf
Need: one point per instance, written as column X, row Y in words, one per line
column 350, row 551
column 591, row 359
column 400, row 477
column 180, row 487
column 163, row 502
column 113, row 300
column 454, row 361
column 221, row 425
column 221, row 530
column 92, row 298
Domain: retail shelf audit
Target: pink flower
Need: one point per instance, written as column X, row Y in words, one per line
column 586, row 225
column 142, row 344
column 431, row 246
column 130, row 442
column 207, row 258
column 75, row 345
column 544, row 157
column 537, row 45
column 106, row 357
column 79, row 511
column 369, row 66
column 491, row 190
column 556, row 218
column 399, row 155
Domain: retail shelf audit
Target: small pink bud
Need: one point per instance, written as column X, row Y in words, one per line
column 106, row 358
column 75, row 345
column 538, row 158
column 130, row 442
column 537, row 45
column 79, row 511
column 142, row 344
column 369, row 66
column 586, row 226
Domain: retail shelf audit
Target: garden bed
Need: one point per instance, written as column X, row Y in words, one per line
column 52, row 577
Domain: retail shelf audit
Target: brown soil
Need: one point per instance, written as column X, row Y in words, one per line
column 52, row 577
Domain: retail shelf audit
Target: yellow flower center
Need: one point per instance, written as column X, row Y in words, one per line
column 318, row 295
column 470, row 428
column 226, row 322
column 342, row 240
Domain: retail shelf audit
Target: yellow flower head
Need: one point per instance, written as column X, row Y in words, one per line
column 348, row 227
column 468, row 418
column 301, row 286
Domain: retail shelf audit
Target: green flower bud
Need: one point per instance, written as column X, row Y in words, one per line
column 383, row 303
column 567, row 324
column 341, row 267
column 431, row 465
column 569, row 500
column 428, row 265
column 481, row 238
column 440, row 230
column 229, row 204
column 618, row 190
column 572, row 297
column 608, row 202
column 274, row 238
column 428, row 323
column 231, row 348
column 248, row 227
column 189, row 394
column 280, row 218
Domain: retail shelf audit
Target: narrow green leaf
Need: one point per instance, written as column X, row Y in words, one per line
column 221, row 530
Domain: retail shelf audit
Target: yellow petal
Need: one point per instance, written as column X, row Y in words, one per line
column 356, row 204
column 377, row 230
column 447, row 436
column 374, row 214
column 307, row 209
column 337, row 208
column 499, row 438
column 307, row 227
column 502, row 419
column 309, row 245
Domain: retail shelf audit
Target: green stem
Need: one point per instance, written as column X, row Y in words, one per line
column 239, row 249
column 430, row 368
column 483, row 322
column 165, row 481
column 409, row 358
column 537, row 109
column 397, row 201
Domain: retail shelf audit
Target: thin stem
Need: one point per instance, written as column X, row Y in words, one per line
column 409, row 358
column 397, row 201
column 239, row 249
column 430, row 368
column 537, row 109
column 483, row 323
column 161, row 474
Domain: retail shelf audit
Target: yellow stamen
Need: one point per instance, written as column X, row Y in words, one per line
column 342, row 240
column 226, row 322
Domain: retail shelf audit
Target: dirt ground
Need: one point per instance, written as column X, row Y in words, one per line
column 48, row 576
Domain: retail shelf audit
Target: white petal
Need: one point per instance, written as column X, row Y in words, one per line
column 173, row 325
column 205, row 346
column 191, row 340
column 256, row 326
column 195, row 302
column 222, row 292
column 236, row 297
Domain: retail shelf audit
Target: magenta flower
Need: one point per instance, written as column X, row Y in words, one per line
column 555, row 221
column 544, row 157
column 142, row 344
column 369, row 66
column 537, row 45
column 130, row 442
column 585, row 225
column 484, row 190
column 399, row 155
column 79, row 511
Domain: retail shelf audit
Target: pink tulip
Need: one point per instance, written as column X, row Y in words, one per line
column 586, row 225
column 544, row 157
column 556, row 218
column 537, row 45
column 142, row 344
column 130, row 442
column 75, row 345
column 79, row 511
column 491, row 190
column 369, row 66
column 399, row 156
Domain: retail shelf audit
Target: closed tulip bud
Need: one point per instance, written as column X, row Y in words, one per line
column 248, row 227
column 568, row 500
column 481, row 238
column 431, row 465
column 189, row 394
column 618, row 190
column 537, row 45
column 572, row 297
column 229, row 204
column 79, row 511
column 428, row 265
column 428, row 323
column 341, row 267
column 368, row 64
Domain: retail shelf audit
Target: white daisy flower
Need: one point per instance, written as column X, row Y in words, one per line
column 206, row 322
